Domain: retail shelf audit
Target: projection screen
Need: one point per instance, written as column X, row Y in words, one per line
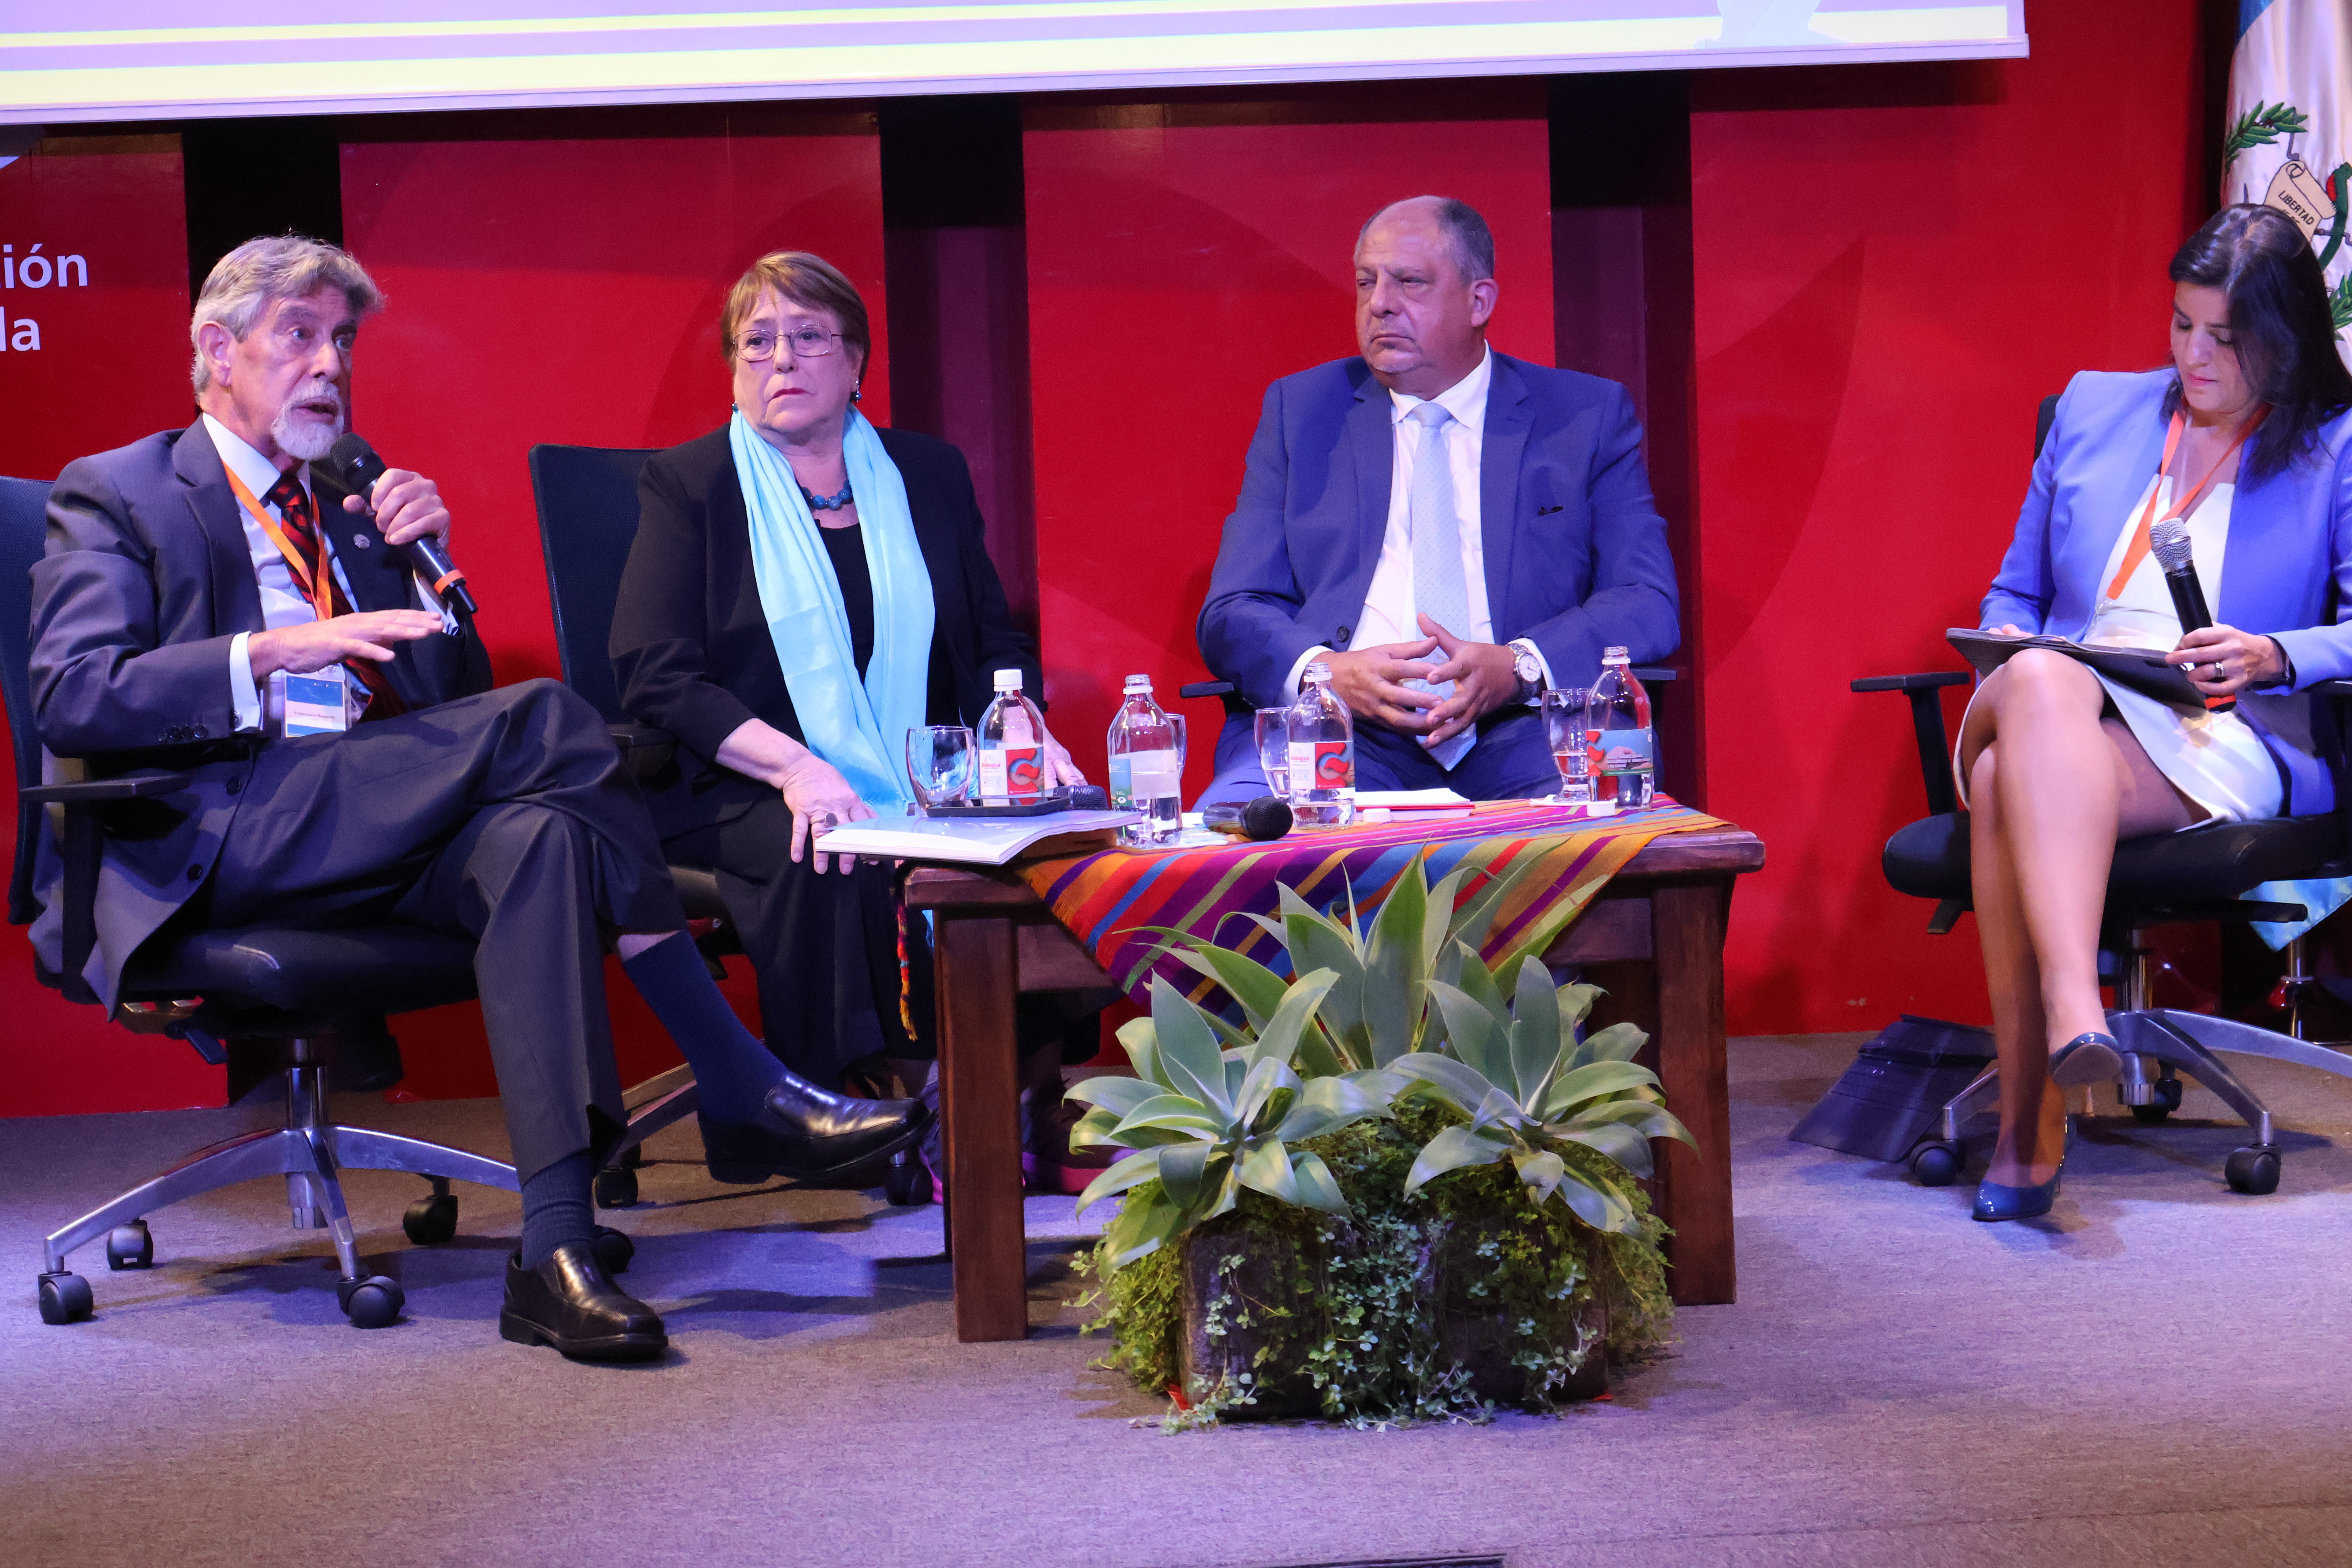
column 121, row 59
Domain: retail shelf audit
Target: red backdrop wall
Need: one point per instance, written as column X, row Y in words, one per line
column 1893, row 268
column 1182, row 255
column 550, row 287
column 112, row 366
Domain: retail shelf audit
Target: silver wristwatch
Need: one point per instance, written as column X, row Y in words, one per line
column 1529, row 670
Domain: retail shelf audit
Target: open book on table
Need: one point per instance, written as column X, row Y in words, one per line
column 2144, row 669
column 973, row 841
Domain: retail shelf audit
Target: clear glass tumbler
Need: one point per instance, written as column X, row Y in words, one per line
column 1274, row 750
column 939, row 765
column 1571, row 754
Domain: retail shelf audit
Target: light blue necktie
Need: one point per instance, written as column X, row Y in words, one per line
column 1438, row 589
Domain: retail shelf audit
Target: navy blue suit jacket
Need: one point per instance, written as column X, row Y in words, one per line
column 144, row 580
column 1575, row 551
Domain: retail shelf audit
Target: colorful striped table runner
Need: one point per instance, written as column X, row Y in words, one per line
column 1107, row 899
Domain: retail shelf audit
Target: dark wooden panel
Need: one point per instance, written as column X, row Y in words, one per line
column 1609, row 931
column 1694, row 1194
column 978, row 1106
column 1052, row 960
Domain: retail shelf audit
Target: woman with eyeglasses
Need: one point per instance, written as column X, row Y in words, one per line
column 805, row 589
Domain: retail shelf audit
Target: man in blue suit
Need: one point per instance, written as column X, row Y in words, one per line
column 1449, row 528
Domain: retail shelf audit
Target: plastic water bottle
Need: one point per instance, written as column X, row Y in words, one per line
column 1145, row 770
column 1322, row 754
column 1011, row 746
column 1625, row 748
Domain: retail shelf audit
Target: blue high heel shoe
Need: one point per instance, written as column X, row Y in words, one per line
column 1995, row 1201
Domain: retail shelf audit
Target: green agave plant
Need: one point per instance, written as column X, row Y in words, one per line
column 1531, row 1089
column 1406, row 1009
column 1379, row 1006
column 1205, row 1121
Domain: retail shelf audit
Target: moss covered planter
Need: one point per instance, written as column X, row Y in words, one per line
column 1449, row 1302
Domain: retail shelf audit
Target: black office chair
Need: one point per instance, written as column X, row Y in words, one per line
column 587, row 500
column 263, row 983
column 2198, row 875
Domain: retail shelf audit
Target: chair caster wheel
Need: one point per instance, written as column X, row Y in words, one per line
column 614, row 1249
column 431, row 1219
column 616, row 1188
column 130, row 1246
column 64, row 1298
column 907, row 1183
column 2167, row 1102
column 2253, row 1171
column 1935, row 1164
column 373, row 1302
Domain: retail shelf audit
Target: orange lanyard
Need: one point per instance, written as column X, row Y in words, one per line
column 2140, row 543
column 307, row 576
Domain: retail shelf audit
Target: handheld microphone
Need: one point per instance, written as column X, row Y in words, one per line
column 355, row 466
column 2168, row 540
column 1262, row 820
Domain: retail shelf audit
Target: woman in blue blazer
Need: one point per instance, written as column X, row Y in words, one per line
column 2243, row 439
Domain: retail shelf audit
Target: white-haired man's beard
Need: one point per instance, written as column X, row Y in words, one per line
column 304, row 428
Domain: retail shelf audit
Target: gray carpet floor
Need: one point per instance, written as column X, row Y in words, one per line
column 2155, row 1375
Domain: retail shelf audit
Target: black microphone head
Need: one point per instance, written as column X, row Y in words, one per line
column 2168, row 540
column 353, row 463
column 1265, row 818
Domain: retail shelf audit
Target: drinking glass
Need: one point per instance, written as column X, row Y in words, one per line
column 939, row 765
column 1274, row 750
column 1563, row 721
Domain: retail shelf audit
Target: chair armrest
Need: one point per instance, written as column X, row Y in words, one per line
column 644, row 750
column 1651, row 674
column 83, row 849
column 96, row 791
column 1205, row 688
column 1928, row 682
column 1927, row 729
column 2330, row 688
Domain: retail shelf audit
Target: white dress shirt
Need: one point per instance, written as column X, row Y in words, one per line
column 1389, row 614
column 261, row 705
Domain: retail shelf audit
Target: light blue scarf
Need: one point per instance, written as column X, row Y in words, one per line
column 859, row 727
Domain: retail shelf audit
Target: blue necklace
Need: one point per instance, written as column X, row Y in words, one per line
column 838, row 501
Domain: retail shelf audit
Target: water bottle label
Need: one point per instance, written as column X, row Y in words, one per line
column 1016, row 773
column 1154, row 775
column 1321, row 764
column 1623, row 751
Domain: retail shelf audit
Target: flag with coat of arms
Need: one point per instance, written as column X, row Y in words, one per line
column 2289, row 142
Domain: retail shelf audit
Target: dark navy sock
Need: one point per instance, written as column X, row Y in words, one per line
column 733, row 1070
column 555, row 1207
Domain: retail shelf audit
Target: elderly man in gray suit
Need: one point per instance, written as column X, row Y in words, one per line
column 208, row 599
column 1449, row 530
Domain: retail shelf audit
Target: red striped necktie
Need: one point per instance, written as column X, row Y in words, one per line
column 301, row 522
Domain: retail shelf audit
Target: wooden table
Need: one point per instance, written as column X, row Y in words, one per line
column 1654, row 937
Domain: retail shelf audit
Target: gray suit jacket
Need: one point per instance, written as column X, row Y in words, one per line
column 144, row 580
column 1575, row 551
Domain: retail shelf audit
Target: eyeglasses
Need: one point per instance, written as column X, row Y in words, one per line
column 806, row 342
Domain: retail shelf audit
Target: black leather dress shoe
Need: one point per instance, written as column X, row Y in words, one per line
column 808, row 1134
column 570, row 1302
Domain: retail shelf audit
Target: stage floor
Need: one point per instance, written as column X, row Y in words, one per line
column 2155, row 1374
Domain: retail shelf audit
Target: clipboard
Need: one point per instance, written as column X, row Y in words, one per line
column 2144, row 669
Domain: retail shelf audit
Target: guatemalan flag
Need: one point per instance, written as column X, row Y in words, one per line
column 2290, row 128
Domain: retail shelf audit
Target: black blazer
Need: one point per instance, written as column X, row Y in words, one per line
column 690, row 647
